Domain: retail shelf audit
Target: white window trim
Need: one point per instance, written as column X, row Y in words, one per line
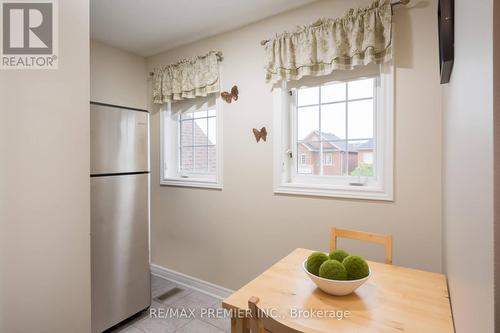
column 167, row 123
column 283, row 184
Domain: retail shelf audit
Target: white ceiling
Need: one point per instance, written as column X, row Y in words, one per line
column 147, row 27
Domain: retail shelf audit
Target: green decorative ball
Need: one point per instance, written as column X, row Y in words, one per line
column 333, row 270
column 356, row 267
column 314, row 262
column 338, row 255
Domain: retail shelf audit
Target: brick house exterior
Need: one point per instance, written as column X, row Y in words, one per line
column 334, row 149
column 201, row 149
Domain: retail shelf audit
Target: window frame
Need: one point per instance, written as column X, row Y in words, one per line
column 285, row 179
column 169, row 123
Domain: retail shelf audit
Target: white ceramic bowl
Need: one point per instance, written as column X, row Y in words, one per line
column 335, row 287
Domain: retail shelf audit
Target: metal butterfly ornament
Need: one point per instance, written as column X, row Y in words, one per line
column 262, row 134
column 230, row 96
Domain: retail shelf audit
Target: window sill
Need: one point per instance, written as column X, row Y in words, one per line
column 346, row 192
column 186, row 182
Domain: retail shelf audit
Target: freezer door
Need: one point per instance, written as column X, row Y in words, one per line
column 118, row 140
column 121, row 284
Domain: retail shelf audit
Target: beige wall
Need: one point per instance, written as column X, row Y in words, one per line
column 468, row 169
column 117, row 77
column 44, row 188
column 228, row 237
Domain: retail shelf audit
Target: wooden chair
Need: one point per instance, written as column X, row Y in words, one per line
column 385, row 240
column 260, row 323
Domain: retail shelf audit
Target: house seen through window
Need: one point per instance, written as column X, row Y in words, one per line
column 197, row 143
column 191, row 146
column 336, row 121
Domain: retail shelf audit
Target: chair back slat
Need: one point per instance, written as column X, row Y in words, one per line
column 385, row 240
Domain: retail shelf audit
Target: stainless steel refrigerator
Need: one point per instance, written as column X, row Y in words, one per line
column 121, row 285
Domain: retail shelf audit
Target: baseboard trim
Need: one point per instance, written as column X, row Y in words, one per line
column 191, row 282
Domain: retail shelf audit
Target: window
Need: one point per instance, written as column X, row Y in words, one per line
column 191, row 143
column 302, row 159
column 344, row 123
column 327, row 159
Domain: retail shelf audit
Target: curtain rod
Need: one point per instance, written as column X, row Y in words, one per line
column 400, row 2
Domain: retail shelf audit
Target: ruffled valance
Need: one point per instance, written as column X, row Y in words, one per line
column 361, row 37
column 188, row 78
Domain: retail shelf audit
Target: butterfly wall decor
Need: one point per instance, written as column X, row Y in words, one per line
column 262, row 134
column 229, row 97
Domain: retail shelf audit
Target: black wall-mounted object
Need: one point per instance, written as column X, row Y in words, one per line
column 446, row 13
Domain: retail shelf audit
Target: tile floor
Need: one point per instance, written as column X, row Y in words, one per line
column 196, row 312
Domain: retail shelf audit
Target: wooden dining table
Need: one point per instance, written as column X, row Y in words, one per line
column 394, row 299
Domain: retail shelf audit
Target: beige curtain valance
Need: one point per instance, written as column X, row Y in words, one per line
column 361, row 37
column 188, row 78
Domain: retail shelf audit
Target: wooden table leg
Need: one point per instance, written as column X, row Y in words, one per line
column 239, row 325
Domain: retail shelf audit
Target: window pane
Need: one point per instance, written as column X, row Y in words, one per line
column 211, row 113
column 333, row 152
column 186, row 115
column 191, row 151
column 308, row 159
column 361, row 89
column 200, row 114
column 307, row 122
column 186, row 159
column 333, row 123
column 361, row 158
column 308, row 96
column 366, row 157
column 186, row 133
column 360, row 119
column 333, row 93
column 200, row 132
column 201, row 159
column 212, row 159
column 212, row 131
